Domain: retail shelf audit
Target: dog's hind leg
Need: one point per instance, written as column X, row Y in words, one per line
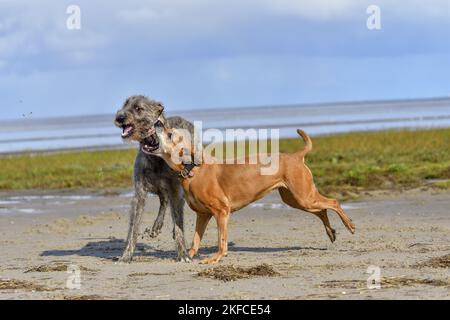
column 330, row 231
column 316, row 204
column 334, row 205
column 176, row 201
column 290, row 200
column 200, row 226
column 159, row 222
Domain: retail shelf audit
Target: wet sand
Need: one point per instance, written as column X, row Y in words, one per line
column 406, row 235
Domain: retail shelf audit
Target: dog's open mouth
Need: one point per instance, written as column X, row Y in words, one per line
column 150, row 144
column 127, row 131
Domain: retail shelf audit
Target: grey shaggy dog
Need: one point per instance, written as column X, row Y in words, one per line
column 151, row 174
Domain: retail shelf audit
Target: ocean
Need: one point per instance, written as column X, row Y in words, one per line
column 98, row 131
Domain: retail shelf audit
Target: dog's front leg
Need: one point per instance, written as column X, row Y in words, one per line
column 222, row 217
column 137, row 208
column 200, row 226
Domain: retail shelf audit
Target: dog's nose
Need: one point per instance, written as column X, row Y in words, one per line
column 120, row 118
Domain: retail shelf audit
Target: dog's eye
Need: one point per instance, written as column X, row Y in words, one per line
column 170, row 135
column 137, row 108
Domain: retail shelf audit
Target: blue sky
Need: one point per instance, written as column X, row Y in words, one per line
column 206, row 54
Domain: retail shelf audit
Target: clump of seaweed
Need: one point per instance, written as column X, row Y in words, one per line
column 143, row 274
column 232, row 273
column 396, row 282
column 386, row 282
column 53, row 267
column 347, row 284
column 436, row 262
column 13, row 284
column 138, row 274
column 83, row 297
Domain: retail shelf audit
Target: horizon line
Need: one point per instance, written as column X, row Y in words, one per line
column 235, row 108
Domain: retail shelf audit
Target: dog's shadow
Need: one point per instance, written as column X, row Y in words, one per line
column 233, row 248
column 113, row 248
column 110, row 249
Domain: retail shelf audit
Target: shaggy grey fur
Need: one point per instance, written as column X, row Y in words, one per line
column 151, row 173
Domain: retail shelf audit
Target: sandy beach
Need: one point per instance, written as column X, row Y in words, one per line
column 406, row 235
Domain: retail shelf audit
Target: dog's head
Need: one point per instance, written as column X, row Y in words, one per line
column 169, row 141
column 174, row 145
column 137, row 118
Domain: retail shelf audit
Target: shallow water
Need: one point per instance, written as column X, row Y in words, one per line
column 55, row 203
column 64, row 204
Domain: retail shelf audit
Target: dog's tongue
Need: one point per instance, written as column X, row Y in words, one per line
column 126, row 130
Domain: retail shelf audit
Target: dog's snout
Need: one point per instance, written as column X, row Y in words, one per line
column 120, row 118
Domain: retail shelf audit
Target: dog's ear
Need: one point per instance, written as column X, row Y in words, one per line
column 176, row 137
column 159, row 107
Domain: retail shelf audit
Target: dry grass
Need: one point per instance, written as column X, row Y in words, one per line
column 347, row 164
column 88, row 169
column 343, row 165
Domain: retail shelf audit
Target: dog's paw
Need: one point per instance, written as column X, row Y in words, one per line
column 209, row 261
column 214, row 259
column 124, row 259
column 152, row 233
column 332, row 235
column 192, row 253
column 184, row 258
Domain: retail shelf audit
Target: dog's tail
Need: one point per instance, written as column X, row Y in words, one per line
column 307, row 140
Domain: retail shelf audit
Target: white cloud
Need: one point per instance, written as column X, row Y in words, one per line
column 320, row 10
column 317, row 9
column 139, row 15
column 202, row 10
column 417, row 10
column 31, row 27
column 9, row 43
column 221, row 70
column 70, row 40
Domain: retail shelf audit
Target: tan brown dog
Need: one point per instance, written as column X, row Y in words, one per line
column 216, row 190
